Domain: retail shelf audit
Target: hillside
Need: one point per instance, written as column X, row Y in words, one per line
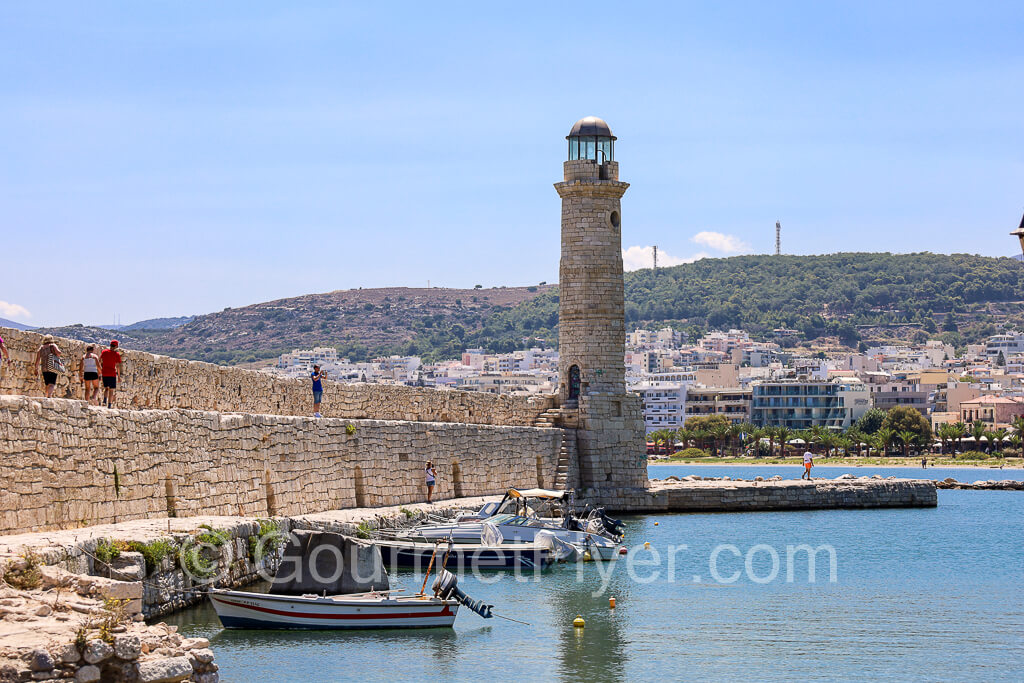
column 160, row 323
column 853, row 296
column 856, row 297
column 361, row 323
column 4, row 322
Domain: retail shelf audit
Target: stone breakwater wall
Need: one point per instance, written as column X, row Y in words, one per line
column 982, row 485
column 695, row 495
column 160, row 382
column 67, row 464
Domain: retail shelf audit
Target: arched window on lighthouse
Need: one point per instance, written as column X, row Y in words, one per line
column 574, row 382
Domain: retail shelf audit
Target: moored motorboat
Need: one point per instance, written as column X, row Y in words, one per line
column 462, row 556
column 517, row 519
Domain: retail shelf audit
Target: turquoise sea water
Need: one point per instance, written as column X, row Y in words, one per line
column 919, row 594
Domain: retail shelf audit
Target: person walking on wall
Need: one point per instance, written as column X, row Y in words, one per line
column 808, row 464
column 91, row 375
column 431, row 479
column 110, row 369
column 48, row 360
column 318, row 389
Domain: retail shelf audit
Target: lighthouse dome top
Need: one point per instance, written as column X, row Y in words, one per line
column 591, row 138
column 591, row 126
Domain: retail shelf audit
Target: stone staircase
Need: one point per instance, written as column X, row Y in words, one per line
column 549, row 418
column 566, row 456
column 553, row 418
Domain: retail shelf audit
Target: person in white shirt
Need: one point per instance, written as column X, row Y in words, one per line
column 808, row 464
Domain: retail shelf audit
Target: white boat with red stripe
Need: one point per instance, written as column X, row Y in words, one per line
column 373, row 610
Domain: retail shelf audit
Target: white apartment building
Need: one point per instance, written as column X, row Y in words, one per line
column 306, row 358
column 1005, row 343
column 664, row 404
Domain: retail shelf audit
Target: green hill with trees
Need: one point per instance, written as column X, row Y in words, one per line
column 853, row 296
column 857, row 297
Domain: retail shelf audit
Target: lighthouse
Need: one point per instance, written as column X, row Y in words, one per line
column 610, row 435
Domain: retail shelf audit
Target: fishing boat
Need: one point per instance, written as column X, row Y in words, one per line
column 239, row 609
column 405, row 554
column 330, row 581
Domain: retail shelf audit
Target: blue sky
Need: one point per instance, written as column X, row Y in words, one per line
column 171, row 158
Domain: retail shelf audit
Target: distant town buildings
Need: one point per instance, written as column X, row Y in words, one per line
column 728, row 373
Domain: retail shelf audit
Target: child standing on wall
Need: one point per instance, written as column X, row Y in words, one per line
column 431, row 479
column 318, row 389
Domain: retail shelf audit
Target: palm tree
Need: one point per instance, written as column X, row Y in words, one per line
column 735, row 432
column 885, row 437
column 817, row 434
column 771, row 433
column 1018, row 424
column 784, row 434
column 683, row 435
column 754, row 436
column 1015, row 441
column 828, row 440
column 996, row 438
column 907, row 438
column 719, row 435
column 978, row 430
column 699, row 437
column 956, row 432
column 856, row 438
column 944, row 434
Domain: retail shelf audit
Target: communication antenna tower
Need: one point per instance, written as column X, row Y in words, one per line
column 778, row 238
column 655, row 257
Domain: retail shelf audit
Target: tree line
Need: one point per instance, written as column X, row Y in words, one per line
column 901, row 429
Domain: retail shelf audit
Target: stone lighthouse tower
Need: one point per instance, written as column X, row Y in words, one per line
column 610, row 436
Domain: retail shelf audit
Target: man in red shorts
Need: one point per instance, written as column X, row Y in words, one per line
column 110, row 369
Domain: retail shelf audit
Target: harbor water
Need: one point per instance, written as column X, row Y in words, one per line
column 903, row 594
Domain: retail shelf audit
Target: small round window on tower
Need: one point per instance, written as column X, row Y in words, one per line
column 613, row 218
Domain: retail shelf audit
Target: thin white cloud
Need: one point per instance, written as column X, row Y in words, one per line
column 637, row 258
column 727, row 244
column 13, row 311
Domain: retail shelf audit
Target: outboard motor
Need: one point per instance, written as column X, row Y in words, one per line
column 446, row 586
column 612, row 525
column 572, row 524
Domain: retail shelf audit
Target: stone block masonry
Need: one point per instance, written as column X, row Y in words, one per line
column 164, row 383
column 761, row 496
column 66, row 464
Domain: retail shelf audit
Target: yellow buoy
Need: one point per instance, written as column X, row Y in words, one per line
column 647, row 544
column 655, row 524
column 586, row 556
column 611, row 602
column 578, row 622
